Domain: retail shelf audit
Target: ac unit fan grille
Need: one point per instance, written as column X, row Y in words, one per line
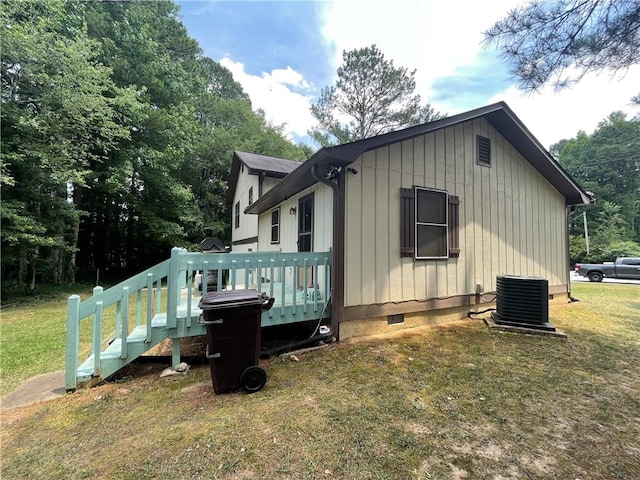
column 522, row 300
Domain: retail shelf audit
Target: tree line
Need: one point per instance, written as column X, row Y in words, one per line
column 558, row 43
column 606, row 164
column 117, row 138
column 118, row 133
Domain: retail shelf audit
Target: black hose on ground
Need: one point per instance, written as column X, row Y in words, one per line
column 295, row 345
column 469, row 315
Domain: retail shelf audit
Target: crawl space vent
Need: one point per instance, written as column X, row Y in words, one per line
column 522, row 302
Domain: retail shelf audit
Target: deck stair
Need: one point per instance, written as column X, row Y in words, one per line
column 166, row 305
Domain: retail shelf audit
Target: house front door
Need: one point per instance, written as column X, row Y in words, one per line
column 305, row 224
column 305, row 237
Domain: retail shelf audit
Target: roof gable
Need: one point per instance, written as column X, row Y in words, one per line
column 499, row 115
column 258, row 165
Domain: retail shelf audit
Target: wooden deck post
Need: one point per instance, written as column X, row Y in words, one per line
column 175, row 352
column 73, row 342
column 173, row 287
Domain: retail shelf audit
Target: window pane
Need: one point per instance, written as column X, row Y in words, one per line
column 431, row 207
column 305, row 215
column 431, row 241
column 304, row 243
column 274, row 217
column 274, row 234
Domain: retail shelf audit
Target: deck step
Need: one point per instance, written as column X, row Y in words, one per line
column 110, row 358
column 136, row 342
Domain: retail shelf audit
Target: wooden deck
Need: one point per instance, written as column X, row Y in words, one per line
column 146, row 312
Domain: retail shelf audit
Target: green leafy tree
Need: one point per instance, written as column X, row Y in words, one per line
column 229, row 125
column 607, row 164
column 370, row 97
column 117, row 138
column 139, row 203
column 610, row 224
column 558, row 42
column 60, row 114
column 166, row 185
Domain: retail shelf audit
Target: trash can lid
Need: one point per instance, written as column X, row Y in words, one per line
column 232, row 298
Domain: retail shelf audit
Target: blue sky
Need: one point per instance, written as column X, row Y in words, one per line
column 284, row 52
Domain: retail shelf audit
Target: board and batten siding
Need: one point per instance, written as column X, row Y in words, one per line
column 512, row 220
column 248, row 223
column 322, row 222
column 322, row 229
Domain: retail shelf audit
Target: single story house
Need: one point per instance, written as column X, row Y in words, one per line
column 419, row 221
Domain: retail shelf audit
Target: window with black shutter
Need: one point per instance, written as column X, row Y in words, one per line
column 429, row 222
column 454, row 225
column 407, row 222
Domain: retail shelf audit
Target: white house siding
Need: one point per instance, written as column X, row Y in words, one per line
column 267, row 184
column 248, row 223
column 512, row 221
column 322, row 226
column 322, row 222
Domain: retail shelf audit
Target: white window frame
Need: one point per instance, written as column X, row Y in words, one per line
column 445, row 225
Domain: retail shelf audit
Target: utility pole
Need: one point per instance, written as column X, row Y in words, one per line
column 586, row 231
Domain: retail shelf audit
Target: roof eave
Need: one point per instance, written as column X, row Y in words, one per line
column 279, row 192
column 514, row 131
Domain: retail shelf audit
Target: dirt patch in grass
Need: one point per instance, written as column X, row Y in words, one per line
column 452, row 401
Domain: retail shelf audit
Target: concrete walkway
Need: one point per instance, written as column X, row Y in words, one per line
column 46, row 386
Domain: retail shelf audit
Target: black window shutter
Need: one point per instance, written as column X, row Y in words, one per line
column 407, row 222
column 454, row 226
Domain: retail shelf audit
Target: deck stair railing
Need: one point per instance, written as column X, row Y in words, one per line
column 162, row 303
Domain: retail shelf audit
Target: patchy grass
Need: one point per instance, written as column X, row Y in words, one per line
column 33, row 336
column 448, row 401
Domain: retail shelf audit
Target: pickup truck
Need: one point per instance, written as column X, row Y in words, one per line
column 624, row 267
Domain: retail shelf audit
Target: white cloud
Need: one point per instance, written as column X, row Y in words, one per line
column 437, row 38
column 552, row 116
column 433, row 36
column 277, row 93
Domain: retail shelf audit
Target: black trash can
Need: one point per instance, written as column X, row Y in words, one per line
column 232, row 319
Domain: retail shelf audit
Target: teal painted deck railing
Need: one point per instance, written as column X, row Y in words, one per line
column 299, row 282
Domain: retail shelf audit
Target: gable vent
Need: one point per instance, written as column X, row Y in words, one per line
column 484, row 150
column 522, row 302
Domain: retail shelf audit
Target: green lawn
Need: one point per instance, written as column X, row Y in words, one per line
column 33, row 338
column 445, row 402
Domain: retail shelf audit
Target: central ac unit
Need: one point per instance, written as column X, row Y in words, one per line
column 522, row 302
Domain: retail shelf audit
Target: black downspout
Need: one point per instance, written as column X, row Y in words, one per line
column 337, row 250
column 569, row 211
